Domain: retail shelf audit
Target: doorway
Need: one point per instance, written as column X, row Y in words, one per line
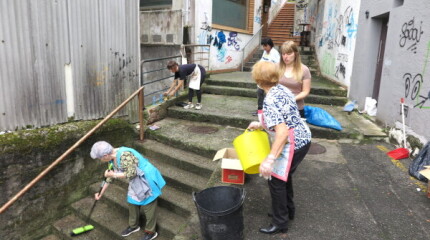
column 265, row 15
column 380, row 57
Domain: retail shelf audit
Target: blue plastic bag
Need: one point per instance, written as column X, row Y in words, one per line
column 319, row 117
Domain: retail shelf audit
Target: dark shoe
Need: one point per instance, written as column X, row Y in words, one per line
column 271, row 229
column 290, row 215
column 129, row 231
column 254, row 113
column 150, row 236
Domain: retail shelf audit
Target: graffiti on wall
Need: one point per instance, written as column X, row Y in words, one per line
column 414, row 85
column 219, row 40
column 258, row 15
column 205, row 37
column 301, row 4
column 338, row 33
column 410, row 35
column 233, row 40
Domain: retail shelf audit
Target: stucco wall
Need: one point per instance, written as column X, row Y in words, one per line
column 335, row 25
column 406, row 70
column 225, row 46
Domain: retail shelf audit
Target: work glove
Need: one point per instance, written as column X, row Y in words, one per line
column 266, row 167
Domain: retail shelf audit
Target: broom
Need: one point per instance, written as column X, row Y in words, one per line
column 89, row 227
column 401, row 153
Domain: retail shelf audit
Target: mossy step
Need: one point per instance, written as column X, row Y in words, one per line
column 179, row 133
column 172, row 199
column 65, row 226
column 318, row 95
column 219, row 109
column 347, row 121
column 230, row 91
column 175, row 177
column 326, row 100
column 51, row 237
column 236, row 111
column 113, row 221
column 244, row 80
column 182, row 159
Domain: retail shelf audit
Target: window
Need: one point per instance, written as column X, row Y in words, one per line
column 231, row 13
column 150, row 4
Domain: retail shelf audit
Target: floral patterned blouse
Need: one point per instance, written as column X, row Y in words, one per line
column 280, row 107
column 128, row 166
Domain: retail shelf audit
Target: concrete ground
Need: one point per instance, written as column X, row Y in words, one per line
column 352, row 191
column 349, row 190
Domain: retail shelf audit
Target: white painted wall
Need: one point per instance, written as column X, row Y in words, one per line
column 335, row 23
column 227, row 55
column 406, row 62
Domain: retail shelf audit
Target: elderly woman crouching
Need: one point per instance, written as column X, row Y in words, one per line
column 292, row 138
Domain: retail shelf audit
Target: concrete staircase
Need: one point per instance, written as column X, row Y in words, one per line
column 281, row 28
column 183, row 148
column 184, row 173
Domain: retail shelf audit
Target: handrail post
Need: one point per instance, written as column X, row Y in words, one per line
column 141, row 108
column 66, row 153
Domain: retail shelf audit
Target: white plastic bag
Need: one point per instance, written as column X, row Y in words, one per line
column 370, row 106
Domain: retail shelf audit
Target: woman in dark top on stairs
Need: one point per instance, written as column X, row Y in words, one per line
column 196, row 74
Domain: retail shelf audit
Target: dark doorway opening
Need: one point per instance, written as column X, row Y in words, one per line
column 380, row 57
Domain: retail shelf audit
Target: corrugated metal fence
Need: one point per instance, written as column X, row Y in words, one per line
column 63, row 58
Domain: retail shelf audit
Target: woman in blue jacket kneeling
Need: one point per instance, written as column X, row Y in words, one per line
column 145, row 184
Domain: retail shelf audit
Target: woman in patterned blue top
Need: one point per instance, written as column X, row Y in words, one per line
column 292, row 139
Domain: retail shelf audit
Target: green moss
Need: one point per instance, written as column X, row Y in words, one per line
column 25, row 141
column 414, row 142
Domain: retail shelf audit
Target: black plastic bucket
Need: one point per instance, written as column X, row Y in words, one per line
column 220, row 212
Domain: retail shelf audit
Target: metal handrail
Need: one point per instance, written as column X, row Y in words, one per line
column 156, row 80
column 250, row 40
column 201, row 53
column 79, row 142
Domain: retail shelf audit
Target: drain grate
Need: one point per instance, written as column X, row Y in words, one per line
column 202, row 129
column 316, row 149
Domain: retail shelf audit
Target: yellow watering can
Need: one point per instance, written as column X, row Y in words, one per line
column 252, row 147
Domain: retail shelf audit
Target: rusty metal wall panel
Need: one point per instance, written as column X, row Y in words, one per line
column 100, row 61
column 33, row 50
column 98, row 38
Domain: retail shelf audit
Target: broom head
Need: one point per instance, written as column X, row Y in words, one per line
column 399, row 153
column 84, row 229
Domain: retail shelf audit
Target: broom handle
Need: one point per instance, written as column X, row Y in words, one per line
column 110, row 166
column 403, row 122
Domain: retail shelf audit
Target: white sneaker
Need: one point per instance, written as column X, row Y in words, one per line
column 198, row 106
column 189, row 105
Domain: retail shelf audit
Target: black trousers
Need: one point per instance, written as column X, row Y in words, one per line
column 260, row 98
column 198, row 92
column 282, row 192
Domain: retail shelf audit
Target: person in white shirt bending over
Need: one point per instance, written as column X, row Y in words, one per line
column 270, row 54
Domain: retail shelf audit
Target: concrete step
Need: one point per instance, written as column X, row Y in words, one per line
column 236, row 111
column 113, row 221
column 51, row 237
column 318, row 95
column 179, row 133
column 175, row 177
column 320, row 85
column 65, row 226
column 182, row 159
column 172, row 199
column 230, row 91
column 238, row 114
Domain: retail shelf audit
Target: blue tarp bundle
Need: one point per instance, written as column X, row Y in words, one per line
column 319, row 117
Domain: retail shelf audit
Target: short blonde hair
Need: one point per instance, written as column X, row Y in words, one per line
column 265, row 74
